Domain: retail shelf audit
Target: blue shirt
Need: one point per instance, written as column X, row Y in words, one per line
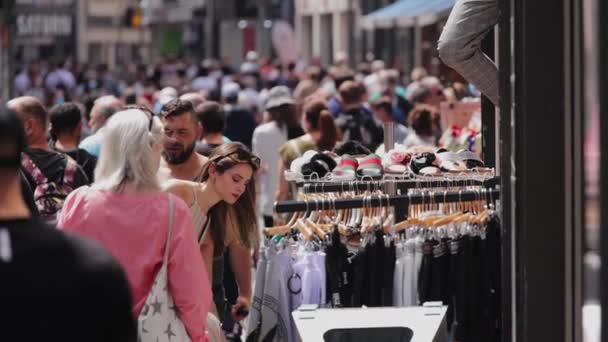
column 92, row 143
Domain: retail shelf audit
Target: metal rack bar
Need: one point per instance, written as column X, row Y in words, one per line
column 378, row 201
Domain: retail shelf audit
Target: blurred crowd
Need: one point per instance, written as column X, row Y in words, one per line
column 216, row 133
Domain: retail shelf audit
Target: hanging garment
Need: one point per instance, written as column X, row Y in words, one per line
column 255, row 316
column 319, row 266
column 337, row 269
column 388, row 263
column 311, row 280
column 454, row 276
column 276, row 317
column 398, row 278
column 358, row 261
column 425, row 277
column 409, row 289
column 418, row 255
column 462, row 309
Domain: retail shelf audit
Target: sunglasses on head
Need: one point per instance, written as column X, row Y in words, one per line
column 146, row 111
column 241, row 156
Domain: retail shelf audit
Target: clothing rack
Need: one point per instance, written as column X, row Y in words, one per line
column 378, row 201
column 402, row 184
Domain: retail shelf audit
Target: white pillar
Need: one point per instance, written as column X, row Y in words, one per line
column 316, row 35
column 339, row 33
column 111, row 55
column 82, row 47
column 417, row 45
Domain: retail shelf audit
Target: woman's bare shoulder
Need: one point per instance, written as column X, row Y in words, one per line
column 181, row 188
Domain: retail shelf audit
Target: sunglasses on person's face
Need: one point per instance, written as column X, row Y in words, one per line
column 146, row 111
column 241, row 156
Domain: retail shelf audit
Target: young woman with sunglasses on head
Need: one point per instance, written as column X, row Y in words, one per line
column 223, row 209
column 128, row 214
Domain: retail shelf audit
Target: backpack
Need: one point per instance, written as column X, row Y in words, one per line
column 49, row 196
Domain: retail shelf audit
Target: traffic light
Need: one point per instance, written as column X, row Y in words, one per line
column 133, row 17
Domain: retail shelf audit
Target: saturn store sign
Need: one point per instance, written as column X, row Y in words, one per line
column 44, row 24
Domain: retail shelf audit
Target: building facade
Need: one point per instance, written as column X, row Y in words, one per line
column 106, row 35
column 176, row 26
column 325, row 28
column 43, row 29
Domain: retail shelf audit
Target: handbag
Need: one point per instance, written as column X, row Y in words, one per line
column 159, row 319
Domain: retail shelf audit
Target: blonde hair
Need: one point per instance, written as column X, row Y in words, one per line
column 127, row 151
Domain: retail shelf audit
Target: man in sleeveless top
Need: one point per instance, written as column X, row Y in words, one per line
column 183, row 129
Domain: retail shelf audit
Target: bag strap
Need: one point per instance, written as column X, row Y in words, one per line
column 29, row 165
column 203, row 234
column 170, row 230
column 69, row 173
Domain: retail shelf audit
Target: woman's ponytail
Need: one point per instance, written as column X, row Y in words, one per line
column 329, row 131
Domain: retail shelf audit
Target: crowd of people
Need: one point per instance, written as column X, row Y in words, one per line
column 167, row 174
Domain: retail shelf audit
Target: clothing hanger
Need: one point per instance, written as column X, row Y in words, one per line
column 302, row 228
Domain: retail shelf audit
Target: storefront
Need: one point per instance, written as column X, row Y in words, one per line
column 545, row 141
column 44, row 30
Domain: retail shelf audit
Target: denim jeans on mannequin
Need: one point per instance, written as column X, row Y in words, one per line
column 460, row 44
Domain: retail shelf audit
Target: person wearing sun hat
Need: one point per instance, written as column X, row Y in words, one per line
column 268, row 139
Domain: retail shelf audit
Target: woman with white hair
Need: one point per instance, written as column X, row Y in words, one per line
column 127, row 213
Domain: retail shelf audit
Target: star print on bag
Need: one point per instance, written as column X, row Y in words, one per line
column 161, row 325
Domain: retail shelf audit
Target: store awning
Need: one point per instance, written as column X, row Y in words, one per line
column 407, row 13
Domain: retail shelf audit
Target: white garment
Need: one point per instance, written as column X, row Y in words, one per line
column 60, row 76
column 409, row 287
column 414, row 139
column 276, row 317
column 207, row 84
column 419, row 253
column 319, row 262
column 255, row 316
column 398, row 276
column 401, row 133
column 25, row 87
column 267, row 140
column 92, row 143
column 249, row 98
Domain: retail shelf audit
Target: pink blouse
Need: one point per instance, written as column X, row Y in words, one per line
column 133, row 227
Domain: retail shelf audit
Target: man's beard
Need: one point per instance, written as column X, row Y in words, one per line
column 181, row 157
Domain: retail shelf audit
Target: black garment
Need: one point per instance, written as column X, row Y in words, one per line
column 84, row 159
column 57, row 287
column 475, row 294
column 337, row 266
column 463, row 291
column 28, row 194
column 358, row 262
column 268, row 221
column 372, row 277
column 205, row 149
column 390, row 257
column 452, row 281
column 240, row 126
column 494, row 263
column 52, row 164
column 357, row 126
column 445, row 271
column 425, row 275
column 294, row 132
